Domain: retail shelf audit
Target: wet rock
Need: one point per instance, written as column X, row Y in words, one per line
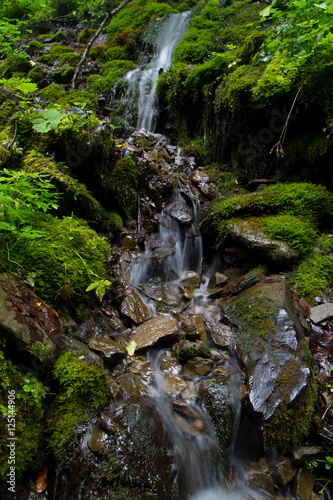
column 107, row 424
column 122, row 270
column 261, row 481
column 81, row 350
column 168, row 294
column 114, row 389
column 191, row 428
column 260, row 246
column 221, row 334
column 275, row 370
column 142, row 446
column 134, row 308
column 194, row 328
column 128, row 241
column 198, row 366
column 111, row 351
column 203, row 182
column 25, row 319
column 142, row 368
column 304, row 453
column 133, row 385
column 170, row 365
column 190, row 391
column 215, row 397
column 284, row 470
column 191, row 277
column 156, row 240
column 185, row 349
column 178, row 210
column 185, row 409
column 217, row 280
column 303, row 484
column 321, row 313
column 241, row 283
column 95, row 442
column 174, row 385
column 158, row 329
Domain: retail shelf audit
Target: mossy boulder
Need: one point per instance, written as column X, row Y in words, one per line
column 77, row 198
column 275, row 357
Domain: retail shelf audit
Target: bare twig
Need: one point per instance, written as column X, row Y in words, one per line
column 94, row 37
column 279, row 144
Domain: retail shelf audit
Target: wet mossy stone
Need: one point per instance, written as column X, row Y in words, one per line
column 277, row 364
column 78, row 198
column 185, row 349
column 222, row 406
column 26, row 395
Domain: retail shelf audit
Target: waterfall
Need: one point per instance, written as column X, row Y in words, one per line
column 143, row 80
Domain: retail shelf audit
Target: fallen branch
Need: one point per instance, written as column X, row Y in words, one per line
column 94, row 37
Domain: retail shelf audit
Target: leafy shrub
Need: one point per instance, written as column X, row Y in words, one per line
column 112, row 70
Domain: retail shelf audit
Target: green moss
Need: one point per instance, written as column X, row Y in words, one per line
column 123, row 184
column 35, row 47
column 63, row 260
column 309, row 203
column 254, row 318
column 56, row 51
column 313, row 276
column 298, row 234
column 15, row 64
column 80, row 201
column 29, row 411
column 83, row 389
column 112, row 71
column 6, row 110
column 37, row 75
column 291, row 423
column 53, row 92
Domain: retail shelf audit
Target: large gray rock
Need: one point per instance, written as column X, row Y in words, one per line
column 155, row 330
column 260, row 246
column 322, row 312
column 178, row 210
column 267, row 342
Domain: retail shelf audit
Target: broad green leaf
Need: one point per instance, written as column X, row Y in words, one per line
column 40, row 125
column 53, row 116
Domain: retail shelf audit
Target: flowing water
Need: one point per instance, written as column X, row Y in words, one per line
column 142, row 81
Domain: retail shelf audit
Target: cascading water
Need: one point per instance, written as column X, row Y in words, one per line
column 170, row 34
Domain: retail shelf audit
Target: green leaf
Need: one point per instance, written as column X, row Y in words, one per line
column 53, row 116
column 130, row 348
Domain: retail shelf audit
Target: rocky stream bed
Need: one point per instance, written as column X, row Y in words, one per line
column 208, row 358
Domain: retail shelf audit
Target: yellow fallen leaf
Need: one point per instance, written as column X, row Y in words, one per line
column 131, row 347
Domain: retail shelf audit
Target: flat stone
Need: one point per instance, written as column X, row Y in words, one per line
column 170, row 365
column 133, row 385
column 155, row 330
column 186, row 426
column 114, row 389
column 189, row 392
column 174, row 385
column 321, row 313
column 134, row 308
column 185, row 409
column 305, row 453
column 221, row 334
column 185, row 349
column 107, row 348
column 198, row 366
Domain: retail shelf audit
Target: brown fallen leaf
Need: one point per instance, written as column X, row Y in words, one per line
column 41, row 483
